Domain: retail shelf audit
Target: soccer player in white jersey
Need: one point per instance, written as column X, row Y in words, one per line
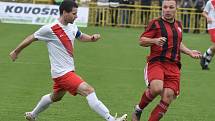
column 59, row 38
column 209, row 14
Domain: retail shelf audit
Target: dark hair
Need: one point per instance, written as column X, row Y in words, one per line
column 171, row 0
column 67, row 5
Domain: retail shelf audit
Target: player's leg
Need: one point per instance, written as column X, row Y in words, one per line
column 171, row 90
column 43, row 104
column 207, row 57
column 153, row 77
column 156, row 87
column 48, row 99
column 209, row 53
column 88, row 91
column 74, row 84
column 167, row 97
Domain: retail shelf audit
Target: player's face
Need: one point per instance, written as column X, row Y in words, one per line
column 169, row 10
column 71, row 16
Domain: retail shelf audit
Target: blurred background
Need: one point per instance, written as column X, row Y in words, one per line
column 135, row 13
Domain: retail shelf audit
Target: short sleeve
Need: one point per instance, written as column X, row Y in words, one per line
column 75, row 30
column 151, row 30
column 44, row 33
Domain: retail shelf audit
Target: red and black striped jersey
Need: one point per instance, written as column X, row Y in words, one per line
column 171, row 48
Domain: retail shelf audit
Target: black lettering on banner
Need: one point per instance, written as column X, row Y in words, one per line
column 31, row 10
column 18, row 9
column 45, row 11
column 36, row 10
column 27, row 9
column 9, row 9
column 54, row 12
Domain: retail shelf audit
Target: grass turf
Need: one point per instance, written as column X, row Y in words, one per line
column 113, row 66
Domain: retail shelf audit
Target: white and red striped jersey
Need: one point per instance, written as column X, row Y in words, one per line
column 60, row 43
column 210, row 9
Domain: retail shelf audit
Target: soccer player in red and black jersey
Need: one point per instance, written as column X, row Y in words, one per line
column 162, row 73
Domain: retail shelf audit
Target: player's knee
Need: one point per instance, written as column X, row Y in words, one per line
column 89, row 90
column 156, row 87
column 56, row 99
column 168, row 96
column 156, row 90
column 85, row 89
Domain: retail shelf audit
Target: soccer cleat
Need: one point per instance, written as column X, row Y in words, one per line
column 122, row 118
column 136, row 115
column 205, row 68
column 29, row 116
column 203, row 65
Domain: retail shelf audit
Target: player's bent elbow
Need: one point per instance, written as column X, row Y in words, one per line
column 143, row 44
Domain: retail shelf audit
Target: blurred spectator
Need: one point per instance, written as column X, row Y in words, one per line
column 206, row 24
column 160, row 3
column 114, row 5
column 101, row 5
column 178, row 3
column 186, row 13
column 145, row 13
column 126, row 12
column 199, row 6
column 58, row 2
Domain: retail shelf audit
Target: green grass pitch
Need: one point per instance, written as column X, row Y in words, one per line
column 113, row 66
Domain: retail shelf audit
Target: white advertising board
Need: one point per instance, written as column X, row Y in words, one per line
column 22, row 13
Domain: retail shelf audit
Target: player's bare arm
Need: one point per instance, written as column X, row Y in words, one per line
column 205, row 14
column 89, row 38
column 192, row 53
column 145, row 42
column 26, row 42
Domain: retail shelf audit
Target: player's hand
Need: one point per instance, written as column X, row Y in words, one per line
column 195, row 54
column 13, row 55
column 95, row 37
column 160, row 41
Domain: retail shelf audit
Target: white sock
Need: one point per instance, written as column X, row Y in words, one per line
column 210, row 52
column 99, row 107
column 208, row 55
column 137, row 108
column 42, row 105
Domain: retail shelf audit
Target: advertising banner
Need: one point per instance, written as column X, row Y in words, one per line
column 40, row 14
